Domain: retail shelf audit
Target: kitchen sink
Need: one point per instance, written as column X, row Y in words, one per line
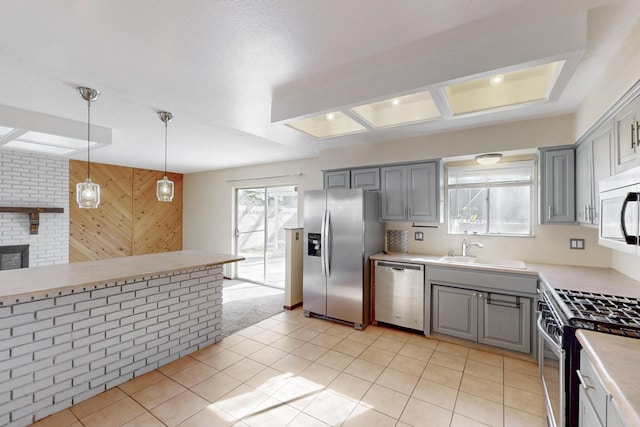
column 484, row 262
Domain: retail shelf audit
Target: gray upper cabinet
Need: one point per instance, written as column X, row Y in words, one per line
column 409, row 192
column 366, row 178
column 557, row 186
column 593, row 164
column 393, row 197
column 626, row 137
column 337, row 179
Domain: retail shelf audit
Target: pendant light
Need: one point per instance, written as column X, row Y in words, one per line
column 164, row 187
column 88, row 192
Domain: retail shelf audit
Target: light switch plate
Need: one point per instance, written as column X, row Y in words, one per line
column 419, row 235
column 576, row 243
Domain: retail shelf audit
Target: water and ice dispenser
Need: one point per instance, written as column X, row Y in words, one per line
column 313, row 248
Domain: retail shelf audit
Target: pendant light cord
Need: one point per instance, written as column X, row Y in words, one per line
column 165, row 149
column 88, row 138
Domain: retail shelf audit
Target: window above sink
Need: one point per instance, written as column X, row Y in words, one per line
column 492, row 200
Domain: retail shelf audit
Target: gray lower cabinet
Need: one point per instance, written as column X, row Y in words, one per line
column 597, row 408
column 586, row 413
column 455, row 312
column 614, row 418
column 489, row 318
column 505, row 321
column 409, row 192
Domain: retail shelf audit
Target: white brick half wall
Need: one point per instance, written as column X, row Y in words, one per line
column 35, row 180
column 62, row 349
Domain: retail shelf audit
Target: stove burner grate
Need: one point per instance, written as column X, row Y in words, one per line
column 604, row 313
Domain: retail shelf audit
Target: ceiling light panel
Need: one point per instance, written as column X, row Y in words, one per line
column 37, row 148
column 502, row 90
column 413, row 108
column 327, row 125
column 56, row 140
column 4, row 131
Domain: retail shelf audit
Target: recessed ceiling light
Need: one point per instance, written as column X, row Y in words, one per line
column 413, row 108
column 522, row 86
column 496, row 80
column 327, row 125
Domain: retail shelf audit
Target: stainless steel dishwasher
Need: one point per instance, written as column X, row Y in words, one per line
column 399, row 294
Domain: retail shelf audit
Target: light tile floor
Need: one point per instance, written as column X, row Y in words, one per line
column 290, row 370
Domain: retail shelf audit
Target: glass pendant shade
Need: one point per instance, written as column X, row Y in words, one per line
column 164, row 190
column 88, row 194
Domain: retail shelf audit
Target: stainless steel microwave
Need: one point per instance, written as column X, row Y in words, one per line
column 619, row 227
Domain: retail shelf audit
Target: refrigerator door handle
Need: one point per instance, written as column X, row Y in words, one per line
column 327, row 240
column 323, row 246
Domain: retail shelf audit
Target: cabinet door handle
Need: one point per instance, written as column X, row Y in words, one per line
column 633, row 140
column 549, row 213
column 583, row 383
column 507, row 304
column 637, row 134
column 586, row 213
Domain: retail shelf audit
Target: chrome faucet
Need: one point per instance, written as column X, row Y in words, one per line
column 465, row 246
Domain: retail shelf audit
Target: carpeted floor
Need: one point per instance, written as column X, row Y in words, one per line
column 244, row 304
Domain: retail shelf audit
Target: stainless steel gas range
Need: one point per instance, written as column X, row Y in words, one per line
column 560, row 313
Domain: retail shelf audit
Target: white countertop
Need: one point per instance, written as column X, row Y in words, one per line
column 616, row 359
column 437, row 262
column 589, row 279
column 39, row 281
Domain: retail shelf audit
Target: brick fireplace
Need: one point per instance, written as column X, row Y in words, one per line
column 36, row 180
column 16, row 256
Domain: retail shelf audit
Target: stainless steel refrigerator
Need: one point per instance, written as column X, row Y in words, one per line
column 341, row 230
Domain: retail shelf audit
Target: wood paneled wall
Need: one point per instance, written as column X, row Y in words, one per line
column 130, row 220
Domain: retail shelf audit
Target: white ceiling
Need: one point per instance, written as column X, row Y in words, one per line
column 227, row 68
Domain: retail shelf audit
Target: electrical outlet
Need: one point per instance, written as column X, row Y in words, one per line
column 419, row 235
column 576, row 243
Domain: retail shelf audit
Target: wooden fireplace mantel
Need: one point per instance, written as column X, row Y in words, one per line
column 34, row 214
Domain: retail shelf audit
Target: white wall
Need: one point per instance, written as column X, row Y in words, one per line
column 35, row 180
column 208, row 196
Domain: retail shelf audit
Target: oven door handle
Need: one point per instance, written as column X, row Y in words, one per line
column 557, row 347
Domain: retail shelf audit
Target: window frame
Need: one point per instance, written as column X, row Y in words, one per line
column 530, row 164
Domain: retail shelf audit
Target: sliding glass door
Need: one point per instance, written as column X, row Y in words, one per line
column 262, row 215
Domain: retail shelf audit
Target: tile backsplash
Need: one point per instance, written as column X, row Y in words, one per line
column 397, row 241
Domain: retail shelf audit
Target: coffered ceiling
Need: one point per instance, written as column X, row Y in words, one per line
column 237, row 75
